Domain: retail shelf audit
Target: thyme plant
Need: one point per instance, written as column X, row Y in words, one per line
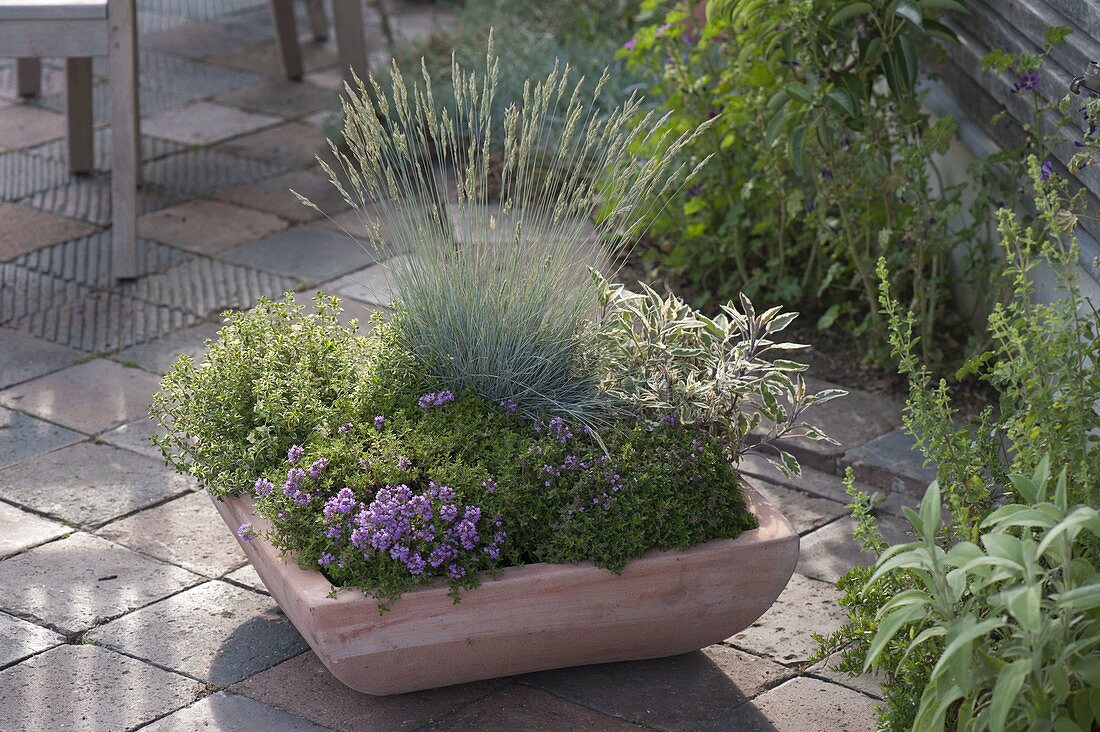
column 495, row 291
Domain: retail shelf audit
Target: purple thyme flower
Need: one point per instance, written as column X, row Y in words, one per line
column 629, row 45
column 245, row 533
column 490, row 485
column 325, row 559
column 695, row 191
column 404, row 463
column 1046, row 171
column 318, row 467
column 263, row 487
column 456, row 572
column 340, row 504
column 448, row 512
column 428, row 401
column 379, row 421
column 509, row 405
column 294, row 454
column 344, row 428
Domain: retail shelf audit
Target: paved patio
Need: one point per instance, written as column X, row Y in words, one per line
column 124, row 601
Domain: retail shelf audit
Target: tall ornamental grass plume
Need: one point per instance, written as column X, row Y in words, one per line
column 495, row 292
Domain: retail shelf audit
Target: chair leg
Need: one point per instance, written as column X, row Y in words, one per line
column 347, row 17
column 125, row 162
column 28, row 76
column 318, row 23
column 286, row 31
column 78, row 103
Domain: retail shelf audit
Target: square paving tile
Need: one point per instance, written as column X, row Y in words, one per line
column 372, row 284
column 282, row 98
column 23, row 357
column 19, row 639
column 807, row 705
column 815, row 482
column 521, row 707
column 292, row 145
column 195, row 39
column 207, row 287
column 90, row 397
column 24, row 292
column 309, row 252
column 208, row 227
column 104, row 321
column 360, row 311
column 248, row 577
column 89, row 484
column 225, row 711
column 694, row 691
column 830, row 551
column 23, row 437
column 23, row 125
column 202, row 171
column 74, row 583
column 806, row 511
column 274, row 196
column 304, row 687
column 22, row 174
column 891, row 462
column 151, row 147
column 186, row 531
column 87, row 260
column 81, row 688
column 134, row 436
column 203, row 123
column 24, row 229
column 216, row 632
column 159, row 355
column 870, row 684
column 263, row 58
column 783, row 632
column 20, row 530
column 89, row 199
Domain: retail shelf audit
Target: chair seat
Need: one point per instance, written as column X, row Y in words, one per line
column 53, row 10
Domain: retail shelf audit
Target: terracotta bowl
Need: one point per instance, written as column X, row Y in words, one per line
column 535, row 617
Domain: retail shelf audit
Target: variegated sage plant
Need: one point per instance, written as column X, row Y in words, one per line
column 499, row 236
column 668, row 362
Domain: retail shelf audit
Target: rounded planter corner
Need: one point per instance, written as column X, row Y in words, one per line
column 535, row 617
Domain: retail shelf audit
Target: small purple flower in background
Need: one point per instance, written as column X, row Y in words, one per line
column 379, row 421
column 404, row 463
column 1046, row 171
column 318, row 467
column 344, row 428
column 826, row 174
column 695, row 191
column 294, row 454
column 245, row 533
column 629, row 45
column 669, row 420
column 428, row 401
column 810, row 206
column 509, row 405
column 1026, row 81
column 325, row 559
column 490, row 485
column 263, row 487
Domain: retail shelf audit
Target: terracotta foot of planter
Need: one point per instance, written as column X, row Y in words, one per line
column 536, row 617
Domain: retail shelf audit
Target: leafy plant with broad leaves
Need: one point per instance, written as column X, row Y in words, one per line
column 669, row 363
column 1015, row 614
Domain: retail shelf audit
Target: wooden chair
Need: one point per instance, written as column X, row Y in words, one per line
column 348, row 22
column 78, row 30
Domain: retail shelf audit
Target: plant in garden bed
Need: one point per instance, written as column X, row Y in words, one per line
column 997, row 612
column 515, row 408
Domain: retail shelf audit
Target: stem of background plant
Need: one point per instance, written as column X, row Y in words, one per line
column 870, row 292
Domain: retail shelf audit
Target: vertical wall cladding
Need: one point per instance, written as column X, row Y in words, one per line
column 1020, row 26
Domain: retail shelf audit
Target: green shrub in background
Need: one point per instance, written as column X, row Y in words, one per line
column 822, row 155
column 1019, row 580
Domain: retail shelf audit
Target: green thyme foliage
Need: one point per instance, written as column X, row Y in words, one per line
column 726, row 375
column 271, row 378
column 496, row 285
column 1042, row 362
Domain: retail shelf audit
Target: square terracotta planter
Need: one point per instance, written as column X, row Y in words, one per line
column 535, row 617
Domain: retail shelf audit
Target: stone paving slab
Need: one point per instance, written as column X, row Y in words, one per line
column 134, row 436
column 310, row 252
column 20, row 530
column 202, row 171
column 216, row 632
column 208, row 227
column 372, row 284
column 24, row 229
column 361, row 311
column 783, row 632
column 870, row 684
column 24, row 293
column 20, row 639
column 893, row 463
column 539, row 712
column 247, row 577
column 807, row 705
column 831, row 551
column 121, row 395
column 24, row 125
column 87, row 260
column 303, row 686
column 23, row 174
column 74, row 583
column 89, row 199
column 186, row 531
column 274, row 196
column 89, row 484
column 204, row 123
column 263, row 59
column 231, row 712
column 291, row 145
column 23, row 437
column 695, row 691
column 196, row 39
column 82, row 688
column 151, row 147
column 281, row 98
column 158, row 356
column 815, row 482
column 807, row 512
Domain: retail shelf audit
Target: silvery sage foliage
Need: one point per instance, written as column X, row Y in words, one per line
column 1015, row 616
column 667, row 362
